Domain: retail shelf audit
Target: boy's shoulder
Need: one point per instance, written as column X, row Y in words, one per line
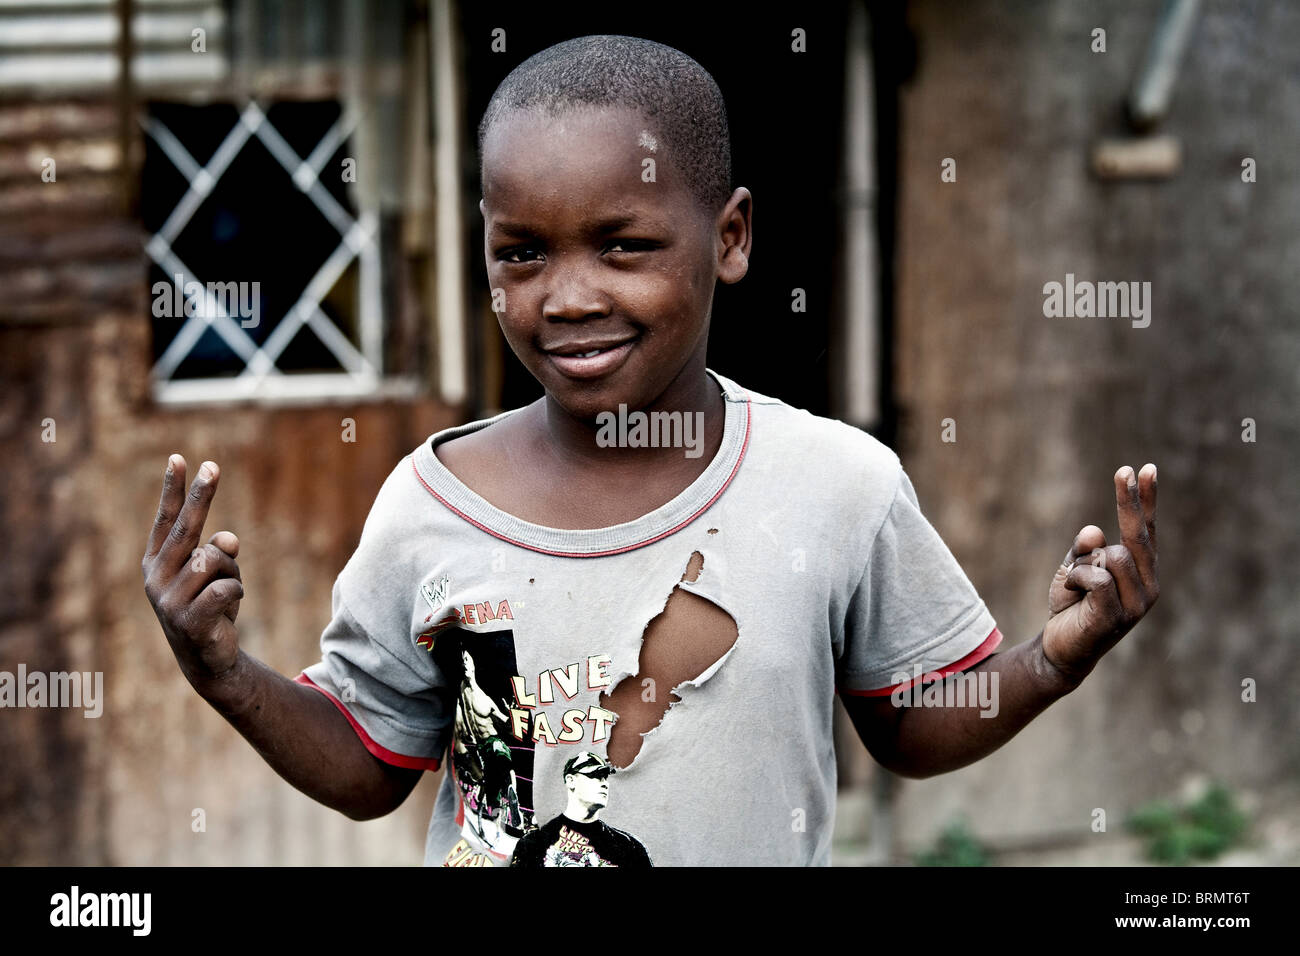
column 832, row 473
column 821, row 446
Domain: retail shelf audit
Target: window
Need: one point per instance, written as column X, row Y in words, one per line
column 265, row 278
column 289, row 208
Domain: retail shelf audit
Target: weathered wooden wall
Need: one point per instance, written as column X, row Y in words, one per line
column 75, row 513
column 1047, row 408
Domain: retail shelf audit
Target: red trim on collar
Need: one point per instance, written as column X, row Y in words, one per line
column 600, row 554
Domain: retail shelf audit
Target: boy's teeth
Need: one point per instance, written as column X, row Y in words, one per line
column 589, row 354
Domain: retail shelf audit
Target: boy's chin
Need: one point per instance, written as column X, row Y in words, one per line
column 587, row 407
column 584, row 401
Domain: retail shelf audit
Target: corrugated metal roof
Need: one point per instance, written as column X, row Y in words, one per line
column 59, row 47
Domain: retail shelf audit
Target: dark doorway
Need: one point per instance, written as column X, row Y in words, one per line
column 784, row 110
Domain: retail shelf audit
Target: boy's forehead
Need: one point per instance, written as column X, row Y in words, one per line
column 532, row 156
column 610, row 126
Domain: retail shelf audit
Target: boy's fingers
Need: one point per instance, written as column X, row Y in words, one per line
column 1119, row 561
column 221, row 597
column 208, row 563
column 1133, row 523
column 1147, row 492
column 183, row 538
column 169, row 505
column 1100, row 590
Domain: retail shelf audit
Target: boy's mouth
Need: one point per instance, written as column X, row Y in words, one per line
column 591, row 358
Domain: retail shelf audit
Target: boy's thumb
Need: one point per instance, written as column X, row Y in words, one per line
column 226, row 541
column 1059, row 597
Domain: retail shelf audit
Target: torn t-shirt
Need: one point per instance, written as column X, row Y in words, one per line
column 462, row 634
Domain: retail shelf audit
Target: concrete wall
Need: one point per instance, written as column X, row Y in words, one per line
column 1047, row 408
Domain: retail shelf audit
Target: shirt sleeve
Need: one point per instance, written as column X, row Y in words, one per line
column 389, row 701
column 393, row 693
column 914, row 615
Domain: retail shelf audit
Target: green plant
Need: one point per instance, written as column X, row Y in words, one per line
column 956, row 846
column 1201, row 830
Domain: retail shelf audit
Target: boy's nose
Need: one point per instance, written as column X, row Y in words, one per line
column 572, row 296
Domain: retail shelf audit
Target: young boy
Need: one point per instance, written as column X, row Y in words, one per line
column 528, row 591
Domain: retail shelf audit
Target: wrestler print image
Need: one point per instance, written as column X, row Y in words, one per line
column 578, row 837
column 492, row 768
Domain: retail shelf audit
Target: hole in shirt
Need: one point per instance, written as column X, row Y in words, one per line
column 680, row 643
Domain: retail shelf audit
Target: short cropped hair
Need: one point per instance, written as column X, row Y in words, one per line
column 621, row 71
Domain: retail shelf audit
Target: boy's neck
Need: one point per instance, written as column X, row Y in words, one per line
column 547, row 467
column 694, row 393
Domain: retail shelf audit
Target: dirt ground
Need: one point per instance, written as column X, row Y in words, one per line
column 1273, row 839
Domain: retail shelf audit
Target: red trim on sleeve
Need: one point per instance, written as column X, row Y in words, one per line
column 989, row 645
column 383, row 753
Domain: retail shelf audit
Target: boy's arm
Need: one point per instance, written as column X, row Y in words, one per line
column 922, row 742
column 195, row 592
column 307, row 740
column 1097, row 595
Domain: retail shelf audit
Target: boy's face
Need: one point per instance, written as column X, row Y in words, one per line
column 591, row 258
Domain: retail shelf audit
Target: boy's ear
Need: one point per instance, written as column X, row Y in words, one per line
column 482, row 209
column 736, row 236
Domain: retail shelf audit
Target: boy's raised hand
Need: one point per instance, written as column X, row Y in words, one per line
column 1099, row 593
column 195, row 590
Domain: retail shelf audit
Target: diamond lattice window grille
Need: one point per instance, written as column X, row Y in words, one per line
column 254, row 224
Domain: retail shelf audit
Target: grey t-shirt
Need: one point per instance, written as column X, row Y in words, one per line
column 462, row 634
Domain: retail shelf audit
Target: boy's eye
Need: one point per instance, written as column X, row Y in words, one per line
column 631, row 245
column 524, row 254
column 517, row 254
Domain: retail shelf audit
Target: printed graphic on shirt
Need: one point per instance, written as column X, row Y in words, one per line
column 534, row 708
column 577, row 837
column 487, row 612
column 500, row 718
column 492, row 767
